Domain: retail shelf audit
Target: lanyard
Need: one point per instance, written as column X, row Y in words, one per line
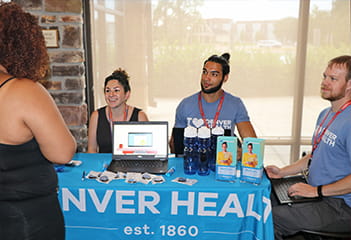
column 124, row 116
column 219, row 107
column 317, row 138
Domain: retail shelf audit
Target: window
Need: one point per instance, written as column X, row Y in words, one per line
column 162, row 45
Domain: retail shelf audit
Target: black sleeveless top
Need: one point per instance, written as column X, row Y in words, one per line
column 2, row 84
column 103, row 131
column 24, row 171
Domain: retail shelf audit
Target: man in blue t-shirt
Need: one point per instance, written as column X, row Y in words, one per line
column 212, row 106
column 329, row 164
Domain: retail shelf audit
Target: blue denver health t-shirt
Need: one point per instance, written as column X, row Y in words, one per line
column 233, row 111
column 332, row 158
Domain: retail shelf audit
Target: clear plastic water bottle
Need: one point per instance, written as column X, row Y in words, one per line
column 204, row 149
column 191, row 157
column 217, row 131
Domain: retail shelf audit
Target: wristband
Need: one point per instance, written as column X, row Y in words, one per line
column 319, row 191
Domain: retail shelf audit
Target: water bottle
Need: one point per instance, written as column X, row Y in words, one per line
column 217, row 131
column 204, row 149
column 190, row 150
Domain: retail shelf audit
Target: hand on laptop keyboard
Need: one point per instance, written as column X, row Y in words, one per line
column 303, row 190
column 294, row 197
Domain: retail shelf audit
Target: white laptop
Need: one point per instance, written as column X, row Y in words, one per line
column 139, row 147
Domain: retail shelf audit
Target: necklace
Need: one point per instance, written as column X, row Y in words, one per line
column 125, row 113
column 219, row 107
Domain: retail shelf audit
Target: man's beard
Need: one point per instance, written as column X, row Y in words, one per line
column 333, row 98
column 212, row 90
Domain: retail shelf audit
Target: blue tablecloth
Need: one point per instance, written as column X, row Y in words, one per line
column 118, row 210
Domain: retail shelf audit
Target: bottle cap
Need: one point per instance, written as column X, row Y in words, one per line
column 218, row 131
column 190, row 132
column 204, row 132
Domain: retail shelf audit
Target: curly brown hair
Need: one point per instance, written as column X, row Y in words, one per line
column 22, row 46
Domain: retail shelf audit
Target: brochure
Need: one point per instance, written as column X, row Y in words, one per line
column 252, row 160
column 226, row 152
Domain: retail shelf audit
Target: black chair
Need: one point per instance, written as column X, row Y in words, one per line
column 178, row 137
column 316, row 235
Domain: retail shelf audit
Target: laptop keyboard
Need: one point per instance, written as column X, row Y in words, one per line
column 151, row 166
column 137, row 163
column 281, row 189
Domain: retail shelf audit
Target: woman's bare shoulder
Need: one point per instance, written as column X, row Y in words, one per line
column 142, row 116
column 29, row 90
column 27, row 85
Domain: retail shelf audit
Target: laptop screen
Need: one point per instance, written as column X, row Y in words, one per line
column 140, row 139
column 144, row 140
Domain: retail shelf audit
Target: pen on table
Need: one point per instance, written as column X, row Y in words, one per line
column 83, row 176
column 170, row 171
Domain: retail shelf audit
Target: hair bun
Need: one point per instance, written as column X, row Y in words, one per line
column 226, row 56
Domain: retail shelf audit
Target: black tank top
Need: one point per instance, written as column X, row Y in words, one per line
column 2, row 84
column 24, row 171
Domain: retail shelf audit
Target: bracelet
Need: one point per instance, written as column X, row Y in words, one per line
column 319, row 191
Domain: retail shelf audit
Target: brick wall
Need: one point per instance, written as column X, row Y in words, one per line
column 67, row 81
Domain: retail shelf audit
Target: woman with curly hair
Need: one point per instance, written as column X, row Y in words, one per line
column 117, row 92
column 33, row 134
